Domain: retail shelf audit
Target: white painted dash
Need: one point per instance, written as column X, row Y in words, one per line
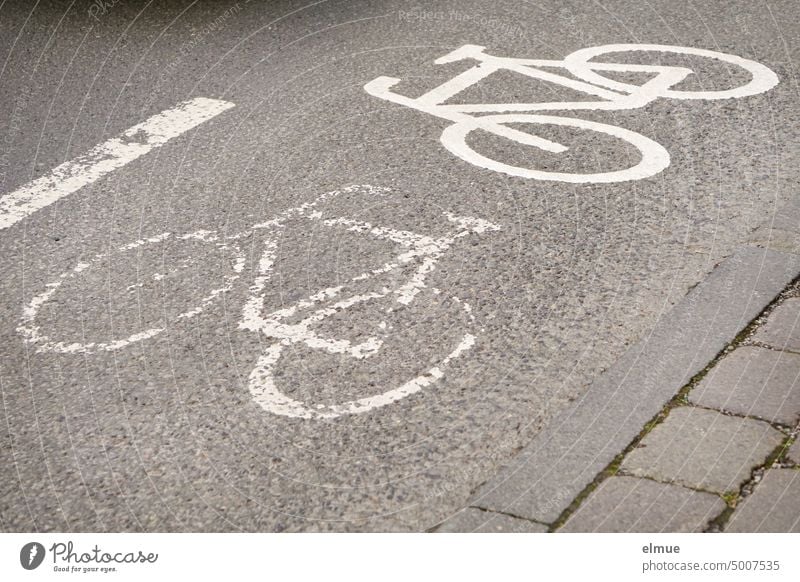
column 106, row 157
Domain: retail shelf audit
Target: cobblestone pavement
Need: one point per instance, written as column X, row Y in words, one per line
column 723, row 455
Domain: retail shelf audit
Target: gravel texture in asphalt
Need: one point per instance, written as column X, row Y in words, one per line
column 511, row 322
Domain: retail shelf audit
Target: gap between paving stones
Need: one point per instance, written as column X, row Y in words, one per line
column 455, row 523
column 777, row 261
column 719, row 522
column 681, row 399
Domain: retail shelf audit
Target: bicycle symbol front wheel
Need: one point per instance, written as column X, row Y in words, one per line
column 263, row 381
column 580, row 64
column 654, row 158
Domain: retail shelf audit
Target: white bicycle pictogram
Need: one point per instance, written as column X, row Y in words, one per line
column 586, row 77
column 416, row 256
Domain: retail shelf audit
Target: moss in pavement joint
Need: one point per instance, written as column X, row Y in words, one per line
column 732, row 498
column 682, row 399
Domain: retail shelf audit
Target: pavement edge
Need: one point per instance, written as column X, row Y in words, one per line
column 544, row 479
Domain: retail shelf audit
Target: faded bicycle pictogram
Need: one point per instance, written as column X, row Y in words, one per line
column 389, row 287
column 581, row 74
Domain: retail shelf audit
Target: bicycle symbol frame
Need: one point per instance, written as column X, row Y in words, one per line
column 586, row 78
column 420, row 251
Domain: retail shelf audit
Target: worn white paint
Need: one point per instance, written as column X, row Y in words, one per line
column 106, row 157
column 470, row 223
column 609, row 95
column 264, row 391
column 30, row 329
column 421, row 251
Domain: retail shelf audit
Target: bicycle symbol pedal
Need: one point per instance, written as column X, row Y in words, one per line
column 586, row 77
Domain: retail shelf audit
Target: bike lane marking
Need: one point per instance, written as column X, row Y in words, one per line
column 417, row 247
column 613, row 96
column 413, row 248
column 32, row 334
column 106, row 157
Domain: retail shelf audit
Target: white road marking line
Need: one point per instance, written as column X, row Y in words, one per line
column 106, row 157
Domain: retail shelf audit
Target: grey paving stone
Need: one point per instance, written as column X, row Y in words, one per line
column 703, row 449
column 794, row 452
column 480, row 521
column 754, row 381
column 565, row 457
column 782, row 329
column 774, row 506
column 630, row 504
column 780, row 233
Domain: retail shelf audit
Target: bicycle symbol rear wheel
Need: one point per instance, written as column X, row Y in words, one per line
column 654, row 158
column 96, row 277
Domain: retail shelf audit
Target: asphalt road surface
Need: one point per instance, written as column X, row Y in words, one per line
column 241, row 292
